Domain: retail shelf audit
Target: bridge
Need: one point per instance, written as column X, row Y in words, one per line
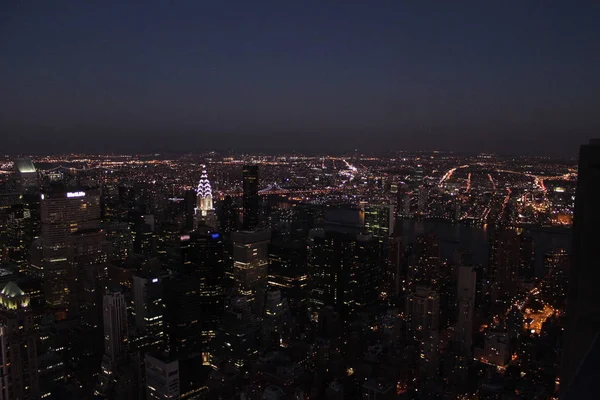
column 280, row 191
column 273, row 187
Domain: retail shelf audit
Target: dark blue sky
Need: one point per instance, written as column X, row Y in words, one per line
column 299, row 75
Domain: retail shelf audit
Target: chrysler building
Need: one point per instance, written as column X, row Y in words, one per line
column 204, row 211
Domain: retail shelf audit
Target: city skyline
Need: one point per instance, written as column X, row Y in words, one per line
column 299, row 200
column 272, row 76
column 287, row 277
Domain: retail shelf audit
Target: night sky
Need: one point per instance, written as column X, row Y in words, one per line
column 318, row 76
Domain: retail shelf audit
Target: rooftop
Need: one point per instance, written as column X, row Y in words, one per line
column 12, row 290
column 24, row 166
column 5, row 272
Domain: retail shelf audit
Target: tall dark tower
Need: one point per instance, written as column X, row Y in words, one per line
column 583, row 318
column 251, row 200
column 504, row 262
column 194, row 296
column 227, row 216
column 18, row 346
column 70, row 228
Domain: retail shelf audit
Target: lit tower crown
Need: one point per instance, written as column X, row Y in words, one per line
column 204, row 202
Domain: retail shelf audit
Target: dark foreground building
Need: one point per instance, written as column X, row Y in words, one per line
column 251, row 199
column 583, row 315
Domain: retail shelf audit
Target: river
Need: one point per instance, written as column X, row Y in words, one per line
column 476, row 237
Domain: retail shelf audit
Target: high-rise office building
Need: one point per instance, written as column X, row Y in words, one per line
column 457, row 209
column 275, row 315
column 204, row 211
column 496, row 348
column 189, row 204
column 194, row 295
column 66, row 218
column 237, row 337
column 557, row 264
column 344, row 268
column 251, row 198
column 19, row 226
column 424, row 262
column 467, row 280
column 88, row 258
column 172, row 245
column 13, row 220
column 119, row 240
column 162, row 377
column 18, row 345
column 170, row 377
column 27, row 176
column 183, row 314
column 116, row 340
column 228, row 218
column 144, row 229
column 115, row 325
column 288, row 272
column 206, row 257
column 202, row 248
column 149, row 307
column 423, row 312
column 251, row 261
column 394, row 273
column 504, row 263
column 406, row 205
column 422, row 200
column 379, row 219
column 527, row 261
column 583, row 318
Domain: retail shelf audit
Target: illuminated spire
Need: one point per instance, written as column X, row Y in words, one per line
column 204, row 190
column 204, row 201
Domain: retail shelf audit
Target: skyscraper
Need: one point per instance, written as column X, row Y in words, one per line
column 583, row 303
column 379, row 219
column 556, row 277
column 162, row 377
column 115, row 343
column 423, row 311
column 424, row 262
column 18, row 345
column 27, row 176
column 250, row 259
column 275, row 314
column 467, row 279
column 395, row 272
column 406, row 205
column 237, row 337
column 64, row 214
column 527, row 262
column 505, row 263
column 422, row 200
column 194, row 297
column 228, row 219
column 115, row 325
column 205, row 255
column 288, row 272
column 149, row 307
column 183, row 314
column 251, row 262
column 190, row 202
column 343, row 270
column 251, row 199
column 88, row 262
column 204, row 211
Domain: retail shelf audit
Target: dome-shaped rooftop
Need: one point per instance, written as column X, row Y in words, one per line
column 12, row 290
